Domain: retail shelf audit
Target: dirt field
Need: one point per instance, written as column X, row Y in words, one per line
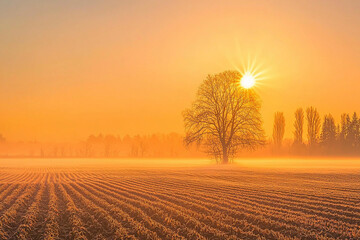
column 193, row 201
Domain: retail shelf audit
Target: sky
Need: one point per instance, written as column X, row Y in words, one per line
column 69, row 69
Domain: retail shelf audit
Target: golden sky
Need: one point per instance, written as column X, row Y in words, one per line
column 73, row 68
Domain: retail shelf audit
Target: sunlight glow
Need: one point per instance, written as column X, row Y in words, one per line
column 247, row 80
column 253, row 74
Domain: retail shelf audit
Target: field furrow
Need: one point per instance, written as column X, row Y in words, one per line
column 176, row 203
column 29, row 220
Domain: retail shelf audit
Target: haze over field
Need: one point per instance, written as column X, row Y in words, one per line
column 284, row 165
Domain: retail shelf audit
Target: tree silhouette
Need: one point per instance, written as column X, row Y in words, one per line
column 279, row 129
column 344, row 130
column 313, row 121
column 224, row 117
column 353, row 131
column 299, row 126
column 356, row 129
column 328, row 133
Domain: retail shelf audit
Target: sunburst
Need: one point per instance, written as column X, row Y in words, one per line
column 252, row 72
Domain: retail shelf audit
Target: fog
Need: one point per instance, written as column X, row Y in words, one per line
column 340, row 165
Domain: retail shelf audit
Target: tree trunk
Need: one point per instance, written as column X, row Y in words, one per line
column 225, row 159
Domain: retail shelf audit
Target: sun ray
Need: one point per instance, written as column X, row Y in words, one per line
column 250, row 64
column 248, row 80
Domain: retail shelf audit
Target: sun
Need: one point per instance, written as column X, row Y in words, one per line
column 247, row 81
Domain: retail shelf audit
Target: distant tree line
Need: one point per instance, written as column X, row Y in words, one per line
column 323, row 136
column 104, row 146
column 312, row 135
column 138, row 146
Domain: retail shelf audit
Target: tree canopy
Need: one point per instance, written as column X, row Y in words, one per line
column 225, row 117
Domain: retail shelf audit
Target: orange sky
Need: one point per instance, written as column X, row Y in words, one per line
column 72, row 68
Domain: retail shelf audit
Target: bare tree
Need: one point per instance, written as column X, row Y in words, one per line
column 279, row 129
column 299, row 126
column 224, row 117
column 314, row 124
